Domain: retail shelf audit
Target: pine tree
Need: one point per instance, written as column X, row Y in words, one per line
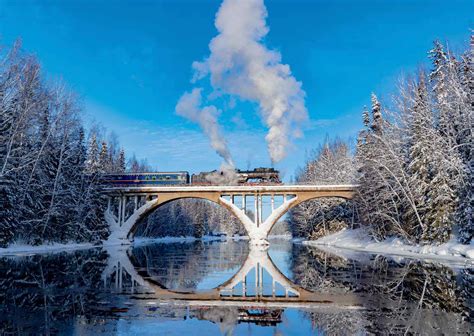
column 104, row 163
column 376, row 115
column 420, row 132
column 465, row 212
column 121, row 166
column 366, row 117
column 92, row 162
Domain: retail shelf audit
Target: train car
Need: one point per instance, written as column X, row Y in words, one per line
column 146, row 179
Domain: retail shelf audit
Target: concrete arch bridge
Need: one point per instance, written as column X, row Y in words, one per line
column 128, row 205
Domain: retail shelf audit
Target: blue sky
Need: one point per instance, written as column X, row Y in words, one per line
column 130, row 61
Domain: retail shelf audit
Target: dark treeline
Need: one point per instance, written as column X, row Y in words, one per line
column 414, row 161
column 39, row 293
column 49, row 166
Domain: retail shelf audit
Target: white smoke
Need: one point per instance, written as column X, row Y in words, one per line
column 226, row 175
column 240, row 64
column 189, row 106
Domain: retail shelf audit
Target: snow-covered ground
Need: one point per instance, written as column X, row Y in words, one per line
column 24, row 249
column 19, row 248
column 360, row 241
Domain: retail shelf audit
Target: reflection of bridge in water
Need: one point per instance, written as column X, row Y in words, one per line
column 246, row 288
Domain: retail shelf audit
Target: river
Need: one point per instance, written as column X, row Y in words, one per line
column 205, row 288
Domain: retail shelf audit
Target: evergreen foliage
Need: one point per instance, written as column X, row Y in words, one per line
column 331, row 163
column 49, row 180
column 414, row 163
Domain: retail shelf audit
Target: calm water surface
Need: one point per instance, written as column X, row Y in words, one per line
column 204, row 288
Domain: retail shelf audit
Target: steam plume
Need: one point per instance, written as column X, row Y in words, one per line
column 240, row 64
column 226, row 175
column 189, row 106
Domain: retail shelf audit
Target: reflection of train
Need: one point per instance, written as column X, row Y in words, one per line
column 262, row 317
column 241, row 177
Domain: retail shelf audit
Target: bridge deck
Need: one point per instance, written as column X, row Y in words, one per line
column 235, row 189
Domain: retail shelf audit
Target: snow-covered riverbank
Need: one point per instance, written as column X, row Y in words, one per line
column 359, row 240
column 21, row 249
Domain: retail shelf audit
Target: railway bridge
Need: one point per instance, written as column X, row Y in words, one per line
column 128, row 205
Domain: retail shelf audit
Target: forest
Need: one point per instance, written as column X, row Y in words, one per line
column 413, row 163
column 49, row 165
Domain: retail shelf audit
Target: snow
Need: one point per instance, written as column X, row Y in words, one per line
column 280, row 237
column 360, row 241
column 22, row 249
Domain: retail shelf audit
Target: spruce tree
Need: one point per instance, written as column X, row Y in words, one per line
column 92, row 162
column 420, row 131
column 121, row 166
column 104, row 161
column 376, row 115
column 465, row 212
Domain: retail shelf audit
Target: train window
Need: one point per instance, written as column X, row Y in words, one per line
column 153, row 178
column 168, row 177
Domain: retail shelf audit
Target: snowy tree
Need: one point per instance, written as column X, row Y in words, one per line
column 415, row 171
column 121, row 165
column 465, row 212
column 45, row 194
column 420, row 134
column 92, row 162
column 331, row 163
column 377, row 119
column 104, row 159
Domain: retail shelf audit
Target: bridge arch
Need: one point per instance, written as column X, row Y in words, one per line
column 298, row 201
column 123, row 227
column 158, row 204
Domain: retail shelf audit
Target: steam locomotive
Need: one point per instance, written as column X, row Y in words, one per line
column 241, row 177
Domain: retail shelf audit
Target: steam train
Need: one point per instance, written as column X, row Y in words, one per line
column 241, row 177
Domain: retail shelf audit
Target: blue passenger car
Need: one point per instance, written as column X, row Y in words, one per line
column 146, row 179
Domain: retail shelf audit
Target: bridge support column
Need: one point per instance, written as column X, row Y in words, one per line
column 255, row 209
